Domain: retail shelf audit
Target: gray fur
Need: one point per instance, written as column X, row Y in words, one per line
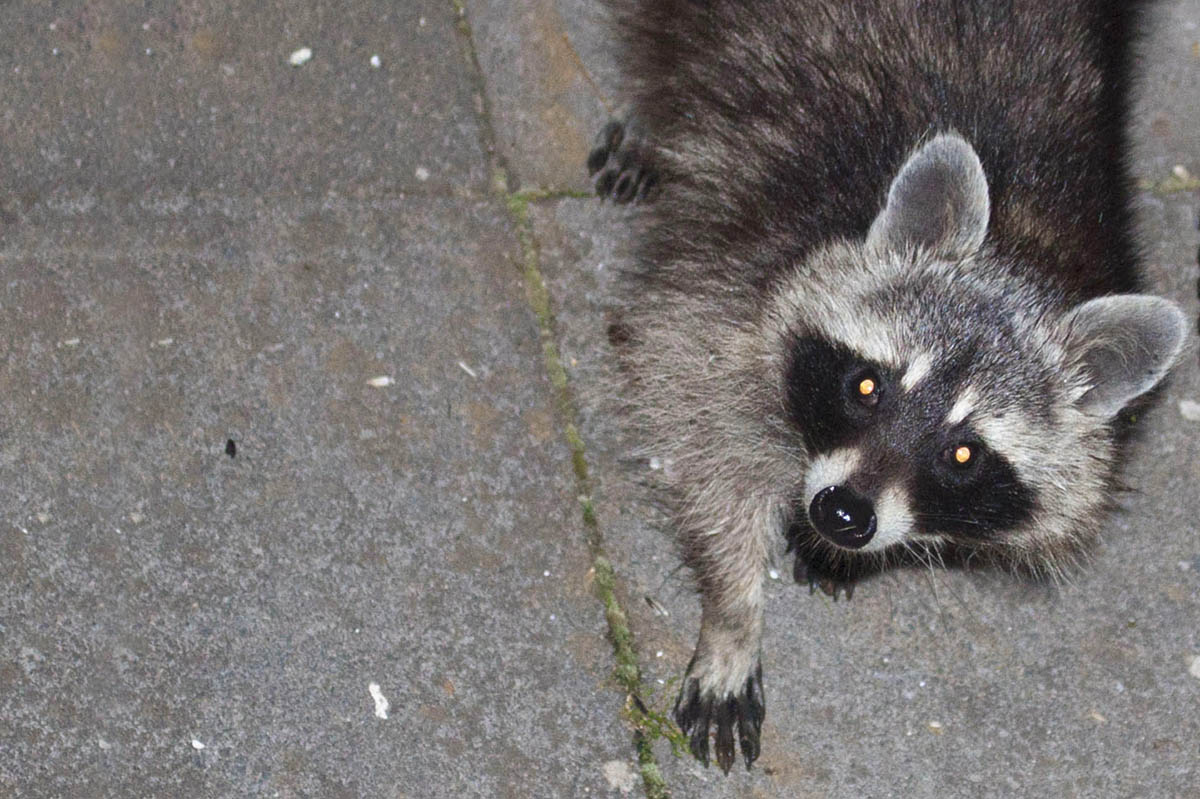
column 934, row 186
column 1124, row 345
column 939, row 201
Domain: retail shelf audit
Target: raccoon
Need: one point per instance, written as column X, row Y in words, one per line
column 885, row 297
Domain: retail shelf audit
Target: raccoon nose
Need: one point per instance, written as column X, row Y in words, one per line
column 842, row 516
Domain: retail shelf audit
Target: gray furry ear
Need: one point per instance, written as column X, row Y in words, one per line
column 939, row 200
column 1124, row 344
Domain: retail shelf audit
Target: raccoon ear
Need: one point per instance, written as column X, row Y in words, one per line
column 939, row 200
column 1124, row 344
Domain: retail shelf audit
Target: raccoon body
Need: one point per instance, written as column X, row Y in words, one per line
column 885, row 295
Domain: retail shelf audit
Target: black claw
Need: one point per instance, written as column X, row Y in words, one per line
column 622, row 192
column 687, row 706
column 647, row 186
column 604, row 183
column 607, row 143
column 596, row 160
column 725, row 714
column 806, row 573
column 698, row 716
column 699, row 742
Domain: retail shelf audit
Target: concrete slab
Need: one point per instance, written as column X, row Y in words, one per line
column 546, row 105
column 157, row 102
column 201, row 243
column 949, row 684
column 219, row 532
column 275, row 425
column 165, row 589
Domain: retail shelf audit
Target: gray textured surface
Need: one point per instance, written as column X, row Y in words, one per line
column 203, row 243
column 236, row 255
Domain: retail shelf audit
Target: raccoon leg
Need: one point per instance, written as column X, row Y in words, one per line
column 621, row 164
column 723, row 690
column 723, row 687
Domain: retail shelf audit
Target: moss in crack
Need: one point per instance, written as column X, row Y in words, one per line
column 654, row 720
column 649, row 726
column 627, row 673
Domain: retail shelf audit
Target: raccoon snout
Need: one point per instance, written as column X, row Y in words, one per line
column 843, row 516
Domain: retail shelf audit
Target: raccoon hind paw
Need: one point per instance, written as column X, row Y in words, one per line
column 620, row 166
column 698, row 713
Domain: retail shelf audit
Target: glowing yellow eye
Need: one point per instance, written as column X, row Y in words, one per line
column 962, row 454
column 866, row 387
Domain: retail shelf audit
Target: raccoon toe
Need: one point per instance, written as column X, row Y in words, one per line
column 607, row 143
column 699, row 713
column 620, row 167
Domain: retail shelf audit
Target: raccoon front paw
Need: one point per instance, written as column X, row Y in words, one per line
column 620, row 166
column 698, row 712
column 806, row 573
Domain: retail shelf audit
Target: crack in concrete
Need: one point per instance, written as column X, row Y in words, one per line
column 627, row 672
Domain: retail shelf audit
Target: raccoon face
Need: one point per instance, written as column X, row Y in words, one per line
column 912, row 450
column 937, row 396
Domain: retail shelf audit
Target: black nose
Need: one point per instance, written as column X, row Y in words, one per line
column 842, row 516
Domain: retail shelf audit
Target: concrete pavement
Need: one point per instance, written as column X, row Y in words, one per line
column 376, row 274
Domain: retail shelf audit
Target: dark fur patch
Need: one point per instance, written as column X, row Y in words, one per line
column 785, row 145
column 818, row 381
column 978, row 505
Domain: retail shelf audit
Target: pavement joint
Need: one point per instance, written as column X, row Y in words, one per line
column 648, row 725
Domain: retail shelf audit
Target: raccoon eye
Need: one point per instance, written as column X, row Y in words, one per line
column 864, row 388
column 962, row 456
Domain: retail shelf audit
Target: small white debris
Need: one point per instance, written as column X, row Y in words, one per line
column 1180, row 171
column 105, row 745
column 773, row 574
column 42, row 517
column 1096, row 717
column 300, row 57
column 376, row 62
column 421, row 22
column 467, row 369
column 422, row 174
column 1194, row 669
column 553, row 617
column 381, row 703
column 197, row 745
column 935, row 727
column 164, row 342
column 1184, row 566
column 546, row 574
column 620, row 776
column 137, row 518
column 70, row 342
column 1190, row 410
column 655, row 463
column 380, row 382
column 658, row 654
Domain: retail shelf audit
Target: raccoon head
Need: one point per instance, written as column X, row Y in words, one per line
column 942, row 393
